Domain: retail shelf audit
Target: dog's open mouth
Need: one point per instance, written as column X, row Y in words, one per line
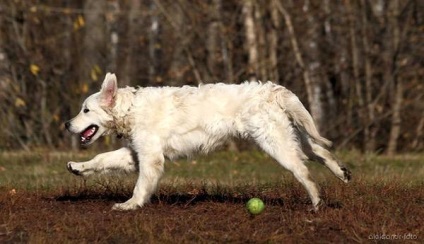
column 88, row 133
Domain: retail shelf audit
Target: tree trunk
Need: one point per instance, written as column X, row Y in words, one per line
column 45, row 116
column 94, row 43
column 226, row 49
column 251, row 39
column 370, row 130
column 417, row 143
column 70, row 106
column 133, row 36
column 213, row 40
column 397, row 100
column 273, row 43
column 112, row 27
column 178, row 66
column 261, row 45
column 331, row 112
column 154, row 46
column 314, row 65
column 6, row 92
column 356, row 98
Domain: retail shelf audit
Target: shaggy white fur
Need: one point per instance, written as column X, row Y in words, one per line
column 174, row 121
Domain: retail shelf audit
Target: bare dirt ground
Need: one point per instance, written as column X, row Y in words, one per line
column 355, row 213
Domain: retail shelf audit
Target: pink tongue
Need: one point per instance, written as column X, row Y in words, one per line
column 87, row 133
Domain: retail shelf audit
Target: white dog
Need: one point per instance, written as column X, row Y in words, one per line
column 173, row 121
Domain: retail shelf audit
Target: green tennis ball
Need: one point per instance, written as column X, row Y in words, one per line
column 255, row 206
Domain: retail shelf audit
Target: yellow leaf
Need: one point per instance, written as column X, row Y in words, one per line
column 34, row 69
column 95, row 72
column 93, row 75
column 79, row 22
column 19, row 102
column 97, row 69
column 56, row 118
column 84, row 88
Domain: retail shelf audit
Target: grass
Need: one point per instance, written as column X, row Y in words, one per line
column 202, row 200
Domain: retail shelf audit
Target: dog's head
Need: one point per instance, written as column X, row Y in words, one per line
column 93, row 119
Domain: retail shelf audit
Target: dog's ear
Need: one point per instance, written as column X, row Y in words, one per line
column 108, row 90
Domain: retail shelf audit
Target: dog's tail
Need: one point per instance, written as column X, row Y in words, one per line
column 295, row 110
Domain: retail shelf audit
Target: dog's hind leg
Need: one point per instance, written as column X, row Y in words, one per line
column 286, row 151
column 325, row 157
column 123, row 159
column 318, row 153
column 301, row 173
column 292, row 162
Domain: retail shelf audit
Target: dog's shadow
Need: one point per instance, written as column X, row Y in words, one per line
column 185, row 199
column 91, row 196
column 188, row 199
column 194, row 199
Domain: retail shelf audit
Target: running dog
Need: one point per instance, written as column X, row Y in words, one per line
column 168, row 122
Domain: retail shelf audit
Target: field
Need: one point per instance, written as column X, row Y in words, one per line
column 202, row 200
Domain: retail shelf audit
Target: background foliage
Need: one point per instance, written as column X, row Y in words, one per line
column 356, row 64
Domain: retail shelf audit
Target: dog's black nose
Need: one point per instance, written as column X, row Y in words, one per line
column 67, row 125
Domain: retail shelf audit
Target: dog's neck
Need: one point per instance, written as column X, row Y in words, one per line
column 121, row 120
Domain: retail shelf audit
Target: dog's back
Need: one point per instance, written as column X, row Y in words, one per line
column 200, row 118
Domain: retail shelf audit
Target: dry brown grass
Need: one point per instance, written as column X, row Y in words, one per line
column 389, row 206
column 195, row 213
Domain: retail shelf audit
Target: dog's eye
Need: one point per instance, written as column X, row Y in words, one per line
column 86, row 110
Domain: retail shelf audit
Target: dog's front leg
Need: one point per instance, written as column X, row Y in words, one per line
column 151, row 169
column 123, row 159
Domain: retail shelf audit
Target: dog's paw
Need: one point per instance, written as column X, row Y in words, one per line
column 77, row 169
column 347, row 175
column 316, row 207
column 71, row 168
column 128, row 205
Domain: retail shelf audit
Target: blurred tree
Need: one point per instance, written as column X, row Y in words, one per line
column 132, row 40
column 155, row 45
column 356, row 64
column 251, row 39
column 393, row 40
